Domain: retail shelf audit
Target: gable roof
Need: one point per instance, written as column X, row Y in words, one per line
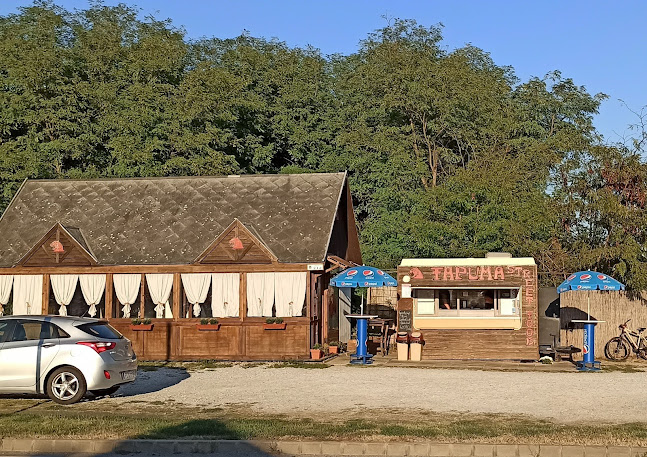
column 162, row 221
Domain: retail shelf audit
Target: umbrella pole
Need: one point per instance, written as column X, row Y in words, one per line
column 588, row 309
column 361, row 307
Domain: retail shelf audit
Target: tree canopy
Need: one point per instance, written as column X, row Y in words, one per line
column 449, row 154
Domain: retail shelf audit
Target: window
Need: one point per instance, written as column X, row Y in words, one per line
column 36, row 330
column 425, row 300
column 5, row 329
column 472, row 302
column 100, row 330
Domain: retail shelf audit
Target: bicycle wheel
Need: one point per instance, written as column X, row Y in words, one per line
column 616, row 349
column 642, row 351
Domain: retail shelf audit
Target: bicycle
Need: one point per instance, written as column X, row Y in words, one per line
column 618, row 347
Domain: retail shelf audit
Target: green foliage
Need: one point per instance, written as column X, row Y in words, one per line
column 448, row 153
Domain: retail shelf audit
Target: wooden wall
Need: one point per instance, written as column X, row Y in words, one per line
column 461, row 344
column 614, row 307
column 235, row 340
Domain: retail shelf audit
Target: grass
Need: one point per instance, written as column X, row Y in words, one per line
column 63, row 423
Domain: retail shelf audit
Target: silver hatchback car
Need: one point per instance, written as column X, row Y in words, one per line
column 63, row 356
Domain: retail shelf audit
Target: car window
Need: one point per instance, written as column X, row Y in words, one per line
column 36, row 330
column 49, row 331
column 100, row 330
column 5, row 329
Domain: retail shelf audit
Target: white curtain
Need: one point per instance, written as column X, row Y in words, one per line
column 92, row 287
column 225, row 298
column 127, row 288
column 196, row 287
column 6, row 284
column 64, row 287
column 28, row 294
column 260, row 294
column 159, row 286
column 290, row 293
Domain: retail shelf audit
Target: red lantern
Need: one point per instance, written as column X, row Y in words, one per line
column 236, row 244
column 57, row 247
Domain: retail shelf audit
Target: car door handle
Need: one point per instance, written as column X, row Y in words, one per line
column 49, row 345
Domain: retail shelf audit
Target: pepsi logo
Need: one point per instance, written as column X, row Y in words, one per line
column 579, row 286
column 571, row 277
column 585, row 277
column 380, row 272
column 368, row 273
column 602, row 277
column 585, row 349
column 351, row 273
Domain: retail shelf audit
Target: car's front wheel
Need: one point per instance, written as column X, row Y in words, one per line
column 66, row 385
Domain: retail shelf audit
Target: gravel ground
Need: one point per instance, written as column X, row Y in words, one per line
column 616, row 397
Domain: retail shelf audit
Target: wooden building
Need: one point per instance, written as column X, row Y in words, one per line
column 178, row 250
column 473, row 308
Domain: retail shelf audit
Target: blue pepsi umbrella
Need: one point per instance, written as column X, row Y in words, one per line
column 589, row 280
column 362, row 276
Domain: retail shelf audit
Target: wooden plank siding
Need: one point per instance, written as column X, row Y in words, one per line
column 494, row 344
column 239, row 338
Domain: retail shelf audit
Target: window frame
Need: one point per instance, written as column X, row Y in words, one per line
column 458, row 313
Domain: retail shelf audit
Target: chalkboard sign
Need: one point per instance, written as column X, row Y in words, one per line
column 404, row 320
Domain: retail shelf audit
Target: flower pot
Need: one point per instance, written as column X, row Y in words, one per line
column 274, row 326
column 316, row 354
column 333, row 349
column 141, row 327
column 208, row 327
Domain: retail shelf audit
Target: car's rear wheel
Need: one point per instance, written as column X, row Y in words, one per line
column 66, row 385
column 102, row 392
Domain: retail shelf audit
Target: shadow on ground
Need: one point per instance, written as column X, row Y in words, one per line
column 149, row 381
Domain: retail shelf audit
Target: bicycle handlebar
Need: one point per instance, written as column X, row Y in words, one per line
column 623, row 326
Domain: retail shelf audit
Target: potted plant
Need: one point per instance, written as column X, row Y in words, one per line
column 139, row 325
column 316, row 352
column 333, row 347
column 274, row 323
column 208, row 325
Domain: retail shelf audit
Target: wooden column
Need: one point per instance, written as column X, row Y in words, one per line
column 177, row 296
column 45, row 304
column 242, row 297
column 324, row 316
column 242, row 294
column 109, row 294
column 141, row 296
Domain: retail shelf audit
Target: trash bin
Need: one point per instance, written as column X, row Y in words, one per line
column 402, row 340
column 416, row 342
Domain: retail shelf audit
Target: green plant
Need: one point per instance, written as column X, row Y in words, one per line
column 136, row 321
column 146, row 321
column 213, row 321
column 269, row 320
column 317, row 346
column 278, row 320
column 204, row 321
column 274, row 320
column 334, row 343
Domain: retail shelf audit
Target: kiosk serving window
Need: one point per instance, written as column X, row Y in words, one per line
column 475, row 304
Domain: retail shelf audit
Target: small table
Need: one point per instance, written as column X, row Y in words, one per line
column 588, row 350
column 361, row 355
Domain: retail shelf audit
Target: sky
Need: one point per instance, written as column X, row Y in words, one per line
column 599, row 44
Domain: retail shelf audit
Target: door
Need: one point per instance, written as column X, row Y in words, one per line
column 32, row 344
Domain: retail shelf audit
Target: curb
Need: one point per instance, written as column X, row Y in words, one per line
column 228, row 447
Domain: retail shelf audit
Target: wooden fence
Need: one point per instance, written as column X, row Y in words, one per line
column 612, row 307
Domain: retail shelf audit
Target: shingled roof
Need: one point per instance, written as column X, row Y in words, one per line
column 162, row 221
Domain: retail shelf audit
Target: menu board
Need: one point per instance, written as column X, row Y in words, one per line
column 404, row 320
